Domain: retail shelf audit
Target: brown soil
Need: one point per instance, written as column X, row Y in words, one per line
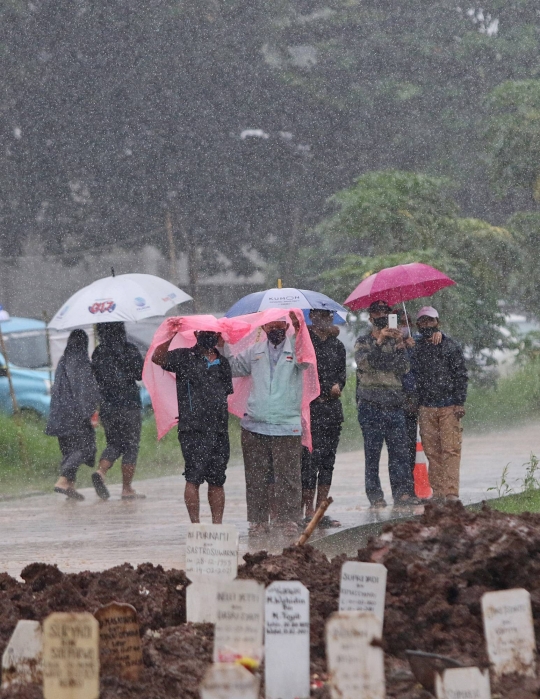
column 438, row 568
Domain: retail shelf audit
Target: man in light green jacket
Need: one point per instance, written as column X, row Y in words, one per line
column 272, row 428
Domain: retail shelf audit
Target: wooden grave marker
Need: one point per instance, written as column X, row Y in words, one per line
column 211, row 557
column 463, row 683
column 22, row 658
column 363, row 588
column 287, row 641
column 228, row 681
column 239, row 621
column 355, row 665
column 70, row 656
column 509, row 632
column 120, row 652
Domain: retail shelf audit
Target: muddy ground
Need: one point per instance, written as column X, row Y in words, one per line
column 438, row 568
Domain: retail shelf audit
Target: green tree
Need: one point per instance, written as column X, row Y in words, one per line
column 407, row 81
column 514, row 136
column 397, row 217
column 525, row 227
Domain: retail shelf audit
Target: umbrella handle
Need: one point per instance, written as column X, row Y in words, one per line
column 406, row 318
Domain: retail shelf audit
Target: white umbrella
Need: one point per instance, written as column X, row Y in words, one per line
column 126, row 297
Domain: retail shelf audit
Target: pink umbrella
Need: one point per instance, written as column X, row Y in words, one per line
column 398, row 284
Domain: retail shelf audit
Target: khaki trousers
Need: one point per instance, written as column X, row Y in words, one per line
column 441, row 432
column 282, row 456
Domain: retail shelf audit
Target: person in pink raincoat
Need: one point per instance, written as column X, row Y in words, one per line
column 272, row 426
column 203, row 384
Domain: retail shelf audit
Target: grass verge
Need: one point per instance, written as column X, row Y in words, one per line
column 29, row 459
column 515, row 398
column 35, row 466
column 515, row 504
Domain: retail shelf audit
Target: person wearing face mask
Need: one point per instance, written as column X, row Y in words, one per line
column 203, row 383
column 326, row 414
column 441, row 378
column 410, row 404
column 272, row 428
column 381, row 361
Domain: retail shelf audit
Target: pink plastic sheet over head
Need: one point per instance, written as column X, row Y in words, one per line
column 161, row 384
column 240, row 333
column 305, row 354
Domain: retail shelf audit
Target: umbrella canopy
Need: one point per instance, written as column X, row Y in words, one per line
column 398, row 284
column 126, row 297
column 286, row 299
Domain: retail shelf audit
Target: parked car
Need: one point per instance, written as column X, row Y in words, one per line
column 26, row 346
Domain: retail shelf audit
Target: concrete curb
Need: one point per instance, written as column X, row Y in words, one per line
column 350, row 540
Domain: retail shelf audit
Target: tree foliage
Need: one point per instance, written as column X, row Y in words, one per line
column 412, row 218
column 514, row 136
column 408, row 80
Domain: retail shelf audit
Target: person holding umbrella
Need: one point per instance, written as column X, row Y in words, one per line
column 376, row 292
column 381, row 362
column 74, row 399
column 441, row 378
column 117, row 365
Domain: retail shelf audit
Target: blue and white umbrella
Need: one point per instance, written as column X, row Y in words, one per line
column 285, row 299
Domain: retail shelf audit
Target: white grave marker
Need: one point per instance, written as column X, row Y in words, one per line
column 355, row 666
column 22, row 659
column 463, row 683
column 239, row 621
column 226, row 681
column 211, row 557
column 509, row 632
column 70, row 656
column 287, row 641
column 363, row 588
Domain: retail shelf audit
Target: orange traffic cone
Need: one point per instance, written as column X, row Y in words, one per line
column 422, row 487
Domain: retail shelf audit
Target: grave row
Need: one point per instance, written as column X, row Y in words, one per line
column 68, row 654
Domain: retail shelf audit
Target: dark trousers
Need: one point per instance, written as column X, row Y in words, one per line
column 206, row 455
column 411, row 425
column 123, row 434
column 283, row 454
column 379, row 425
column 77, row 449
column 318, row 466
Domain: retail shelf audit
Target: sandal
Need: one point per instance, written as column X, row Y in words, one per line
column 328, row 523
column 72, row 494
column 99, row 484
column 134, row 496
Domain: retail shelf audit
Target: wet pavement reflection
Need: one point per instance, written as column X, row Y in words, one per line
column 96, row 534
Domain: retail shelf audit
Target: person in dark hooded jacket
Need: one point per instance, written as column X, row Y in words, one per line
column 117, row 365
column 74, row 399
column 441, row 378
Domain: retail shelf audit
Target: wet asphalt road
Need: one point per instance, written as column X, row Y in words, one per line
column 94, row 535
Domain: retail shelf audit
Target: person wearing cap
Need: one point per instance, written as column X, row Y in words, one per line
column 438, row 365
column 326, row 414
column 410, row 405
column 203, row 384
column 381, row 361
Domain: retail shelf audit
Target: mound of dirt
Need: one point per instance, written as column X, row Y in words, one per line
column 438, row 568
